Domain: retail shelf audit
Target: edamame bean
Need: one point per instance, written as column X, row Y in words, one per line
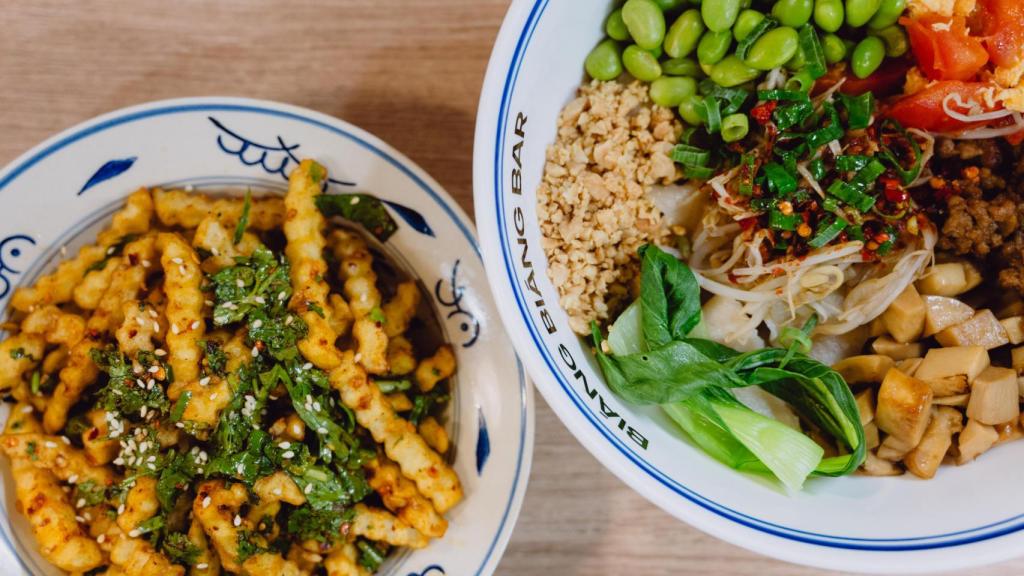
column 683, row 35
column 829, row 14
column 714, row 46
column 895, row 39
column 645, row 22
column 735, row 127
column 615, row 27
column 690, row 110
column 732, row 71
column 681, row 67
column 641, row 63
column 604, row 62
column 889, row 12
column 833, row 47
column 798, row 61
column 666, row 5
column 745, row 24
column 774, row 48
column 859, row 12
column 793, row 13
column 867, row 56
column 669, row 91
column 720, row 15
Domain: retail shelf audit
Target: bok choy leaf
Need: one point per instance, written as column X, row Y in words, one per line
column 651, row 358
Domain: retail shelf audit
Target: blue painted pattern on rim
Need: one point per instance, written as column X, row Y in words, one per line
column 9, row 251
column 450, row 296
column 432, row 569
column 483, row 442
column 171, row 109
column 958, row 538
column 111, row 169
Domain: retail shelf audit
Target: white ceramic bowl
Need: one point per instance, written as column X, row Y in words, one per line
column 966, row 516
column 62, row 191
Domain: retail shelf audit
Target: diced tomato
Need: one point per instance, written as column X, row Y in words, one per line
column 924, row 109
column 1002, row 22
column 885, row 81
column 1015, row 138
column 943, row 47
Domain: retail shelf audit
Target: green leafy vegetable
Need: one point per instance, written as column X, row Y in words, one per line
column 646, row 362
column 370, row 557
column 124, row 392
column 363, row 209
column 308, row 523
column 180, row 550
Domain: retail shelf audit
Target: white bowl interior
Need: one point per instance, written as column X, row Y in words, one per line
column 966, row 515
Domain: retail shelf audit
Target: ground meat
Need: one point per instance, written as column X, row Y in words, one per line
column 976, row 226
column 983, row 183
column 612, row 145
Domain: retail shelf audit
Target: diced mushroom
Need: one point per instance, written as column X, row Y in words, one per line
column 947, row 279
column 877, row 328
column 949, row 370
column 925, row 458
column 864, row 369
column 866, row 406
column 871, row 440
column 875, row 466
column 893, row 449
column 1009, row 431
column 909, row 366
column 994, row 396
column 941, row 312
column 904, row 319
column 886, row 346
column 958, row 400
column 975, row 439
column 1014, row 327
column 904, row 407
column 981, row 330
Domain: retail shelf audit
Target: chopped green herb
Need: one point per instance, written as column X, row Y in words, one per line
column 243, row 222
column 392, row 386
column 180, row 550
column 827, row 232
column 89, row 493
column 363, row 209
column 370, row 557
column 377, row 315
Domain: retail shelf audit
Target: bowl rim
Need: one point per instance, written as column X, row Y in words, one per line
column 793, row 545
column 373, row 144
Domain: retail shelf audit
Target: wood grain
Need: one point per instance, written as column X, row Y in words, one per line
column 408, row 70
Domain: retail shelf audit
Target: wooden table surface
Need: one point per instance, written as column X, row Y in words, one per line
column 409, row 71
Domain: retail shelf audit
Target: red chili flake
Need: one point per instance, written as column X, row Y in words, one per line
column 762, row 113
column 868, row 255
column 881, row 238
column 893, row 191
column 748, row 223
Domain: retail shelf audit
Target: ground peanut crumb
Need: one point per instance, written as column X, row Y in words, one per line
column 612, row 145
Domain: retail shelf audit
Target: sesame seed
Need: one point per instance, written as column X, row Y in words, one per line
column 134, row 533
column 154, row 369
column 156, row 326
column 195, row 325
column 202, row 566
column 237, row 521
column 65, row 440
column 80, row 503
column 355, row 200
column 208, row 302
column 80, row 519
column 277, row 491
column 182, row 271
column 288, row 455
column 50, row 444
column 213, row 396
column 153, row 314
column 177, row 260
column 206, row 502
column 175, row 330
column 111, row 250
column 316, row 406
column 288, row 321
column 151, row 466
column 308, row 489
column 260, row 300
column 63, row 250
column 143, row 411
column 282, row 295
column 140, row 321
column 240, row 283
column 321, row 430
column 284, row 445
column 73, row 479
column 357, row 358
column 255, row 351
column 26, row 410
column 101, row 538
column 146, row 263
column 307, row 366
column 120, row 509
column 180, row 425
column 137, row 369
column 160, row 352
column 118, row 461
column 257, row 324
column 205, row 381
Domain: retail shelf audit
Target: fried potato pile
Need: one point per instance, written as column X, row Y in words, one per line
column 226, row 385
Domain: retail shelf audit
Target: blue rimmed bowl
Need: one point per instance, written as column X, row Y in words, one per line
column 966, row 516
column 55, row 197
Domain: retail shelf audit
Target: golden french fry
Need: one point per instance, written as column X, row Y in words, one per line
column 303, row 226
column 140, row 505
column 401, row 309
column 183, row 284
column 400, row 496
column 53, row 453
column 436, row 368
column 433, row 477
column 137, row 557
column 343, row 561
column 19, row 355
column 177, row 208
column 380, row 525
